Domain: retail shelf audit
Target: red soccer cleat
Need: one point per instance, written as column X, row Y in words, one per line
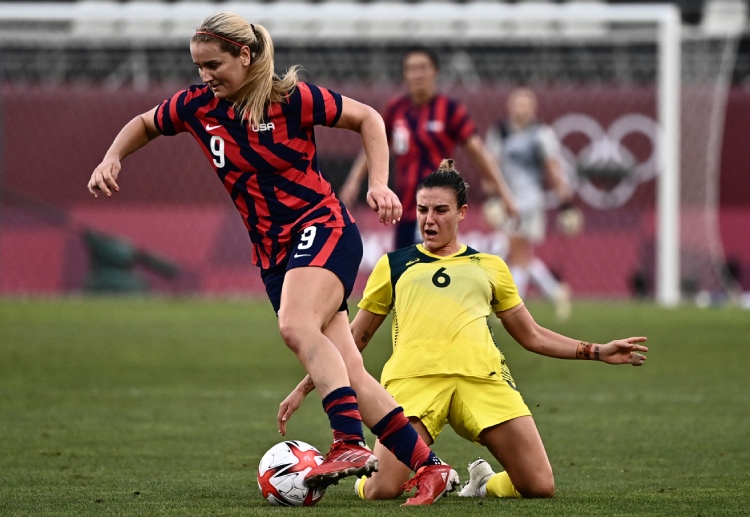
column 344, row 459
column 431, row 481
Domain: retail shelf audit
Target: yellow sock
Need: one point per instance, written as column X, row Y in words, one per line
column 500, row 485
column 361, row 487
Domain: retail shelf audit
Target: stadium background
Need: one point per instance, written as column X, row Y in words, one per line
column 61, row 107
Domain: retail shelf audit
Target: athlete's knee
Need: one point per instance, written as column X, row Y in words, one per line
column 540, row 491
column 542, row 487
column 295, row 332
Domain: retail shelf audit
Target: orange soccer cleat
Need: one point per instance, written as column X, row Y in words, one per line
column 344, row 459
column 431, row 481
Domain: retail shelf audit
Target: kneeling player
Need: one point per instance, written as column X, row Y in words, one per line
column 446, row 367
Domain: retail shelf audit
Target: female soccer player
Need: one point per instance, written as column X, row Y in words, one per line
column 529, row 153
column 425, row 125
column 256, row 128
column 446, row 367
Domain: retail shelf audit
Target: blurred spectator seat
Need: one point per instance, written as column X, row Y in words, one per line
column 532, row 28
column 724, row 16
column 585, row 28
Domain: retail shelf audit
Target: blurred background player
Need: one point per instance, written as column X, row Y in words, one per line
column 424, row 126
column 256, row 128
column 446, row 366
column 528, row 153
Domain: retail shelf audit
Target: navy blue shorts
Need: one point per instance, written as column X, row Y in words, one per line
column 338, row 250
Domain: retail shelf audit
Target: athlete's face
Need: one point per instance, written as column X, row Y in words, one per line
column 438, row 215
column 522, row 107
column 222, row 71
column 420, row 76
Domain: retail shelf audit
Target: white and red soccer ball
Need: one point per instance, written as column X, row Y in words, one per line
column 282, row 471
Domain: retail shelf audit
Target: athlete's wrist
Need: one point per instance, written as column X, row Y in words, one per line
column 376, row 186
column 587, row 351
column 306, row 386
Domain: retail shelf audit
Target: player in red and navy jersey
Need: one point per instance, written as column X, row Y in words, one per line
column 256, row 129
column 424, row 126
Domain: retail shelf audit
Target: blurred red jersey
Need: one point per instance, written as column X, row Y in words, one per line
column 421, row 135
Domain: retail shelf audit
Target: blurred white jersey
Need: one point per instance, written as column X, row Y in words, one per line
column 522, row 153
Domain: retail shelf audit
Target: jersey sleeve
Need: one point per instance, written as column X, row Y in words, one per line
column 460, row 126
column 548, row 142
column 504, row 290
column 317, row 106
column 171, row 113
column 378, row 295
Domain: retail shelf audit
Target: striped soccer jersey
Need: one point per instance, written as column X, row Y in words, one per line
column 421, row 135
column 270, row 170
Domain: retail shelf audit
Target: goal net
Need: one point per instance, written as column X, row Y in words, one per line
column 636, row 100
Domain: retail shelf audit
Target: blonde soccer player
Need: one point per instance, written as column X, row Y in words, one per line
column 256, row 129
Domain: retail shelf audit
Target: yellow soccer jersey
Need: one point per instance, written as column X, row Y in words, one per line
column 441, row 307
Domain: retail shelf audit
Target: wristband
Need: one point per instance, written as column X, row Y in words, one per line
column 583, row 351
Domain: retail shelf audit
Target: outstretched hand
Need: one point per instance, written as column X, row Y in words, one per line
column 385, row 202
column 287, row 407
column 624, row 351
column 104, row 178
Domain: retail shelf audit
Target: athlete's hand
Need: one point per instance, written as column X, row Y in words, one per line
column 385, row 202
column 623, row 351
column 288, row 406
column 104, row 177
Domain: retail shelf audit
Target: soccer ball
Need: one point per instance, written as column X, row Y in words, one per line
column 281, row 474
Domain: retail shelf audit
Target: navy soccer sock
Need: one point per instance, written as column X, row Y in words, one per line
column 398, row 436
column 343, row 412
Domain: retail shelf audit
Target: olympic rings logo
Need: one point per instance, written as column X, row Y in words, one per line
column 606, row 171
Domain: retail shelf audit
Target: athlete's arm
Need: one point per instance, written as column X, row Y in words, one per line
column 483, row 160
column 292, row 402
column 369, row 124
column 134, row 135
column 364, row 326
column 528, row 333
column 357, row 173
column 553, row 165
column 554, row 172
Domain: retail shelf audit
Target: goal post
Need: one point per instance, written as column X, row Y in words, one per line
column 668, row 250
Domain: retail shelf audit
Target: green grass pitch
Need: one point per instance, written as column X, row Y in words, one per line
column 165, row 406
